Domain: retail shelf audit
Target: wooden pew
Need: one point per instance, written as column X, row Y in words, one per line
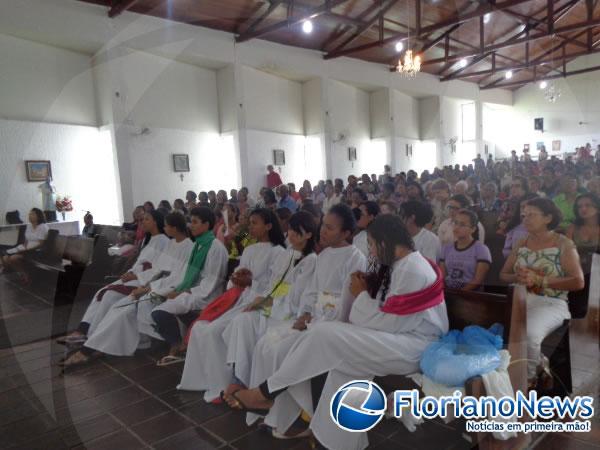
column 485, row 309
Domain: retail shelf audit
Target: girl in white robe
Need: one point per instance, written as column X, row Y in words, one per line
column 374, row 342
column 291, row 273
column 205, row 368
column 327, row 298
column 117, row 333
column 153, row 224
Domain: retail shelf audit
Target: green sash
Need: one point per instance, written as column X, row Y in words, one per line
column 197, row 260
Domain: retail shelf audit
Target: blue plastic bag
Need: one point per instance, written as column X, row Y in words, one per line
column 460, row 355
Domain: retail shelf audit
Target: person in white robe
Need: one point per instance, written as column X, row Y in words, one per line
column 368, row 211
column 384, row 334
column 291, row 273
column 323, row 300
column 415, row 216
column 205, row 368
column 103, row 300
column 117, row 333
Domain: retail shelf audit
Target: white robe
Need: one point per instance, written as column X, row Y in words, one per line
column 428, row 244
column 372, row 344
column 127, row 326
column 246, row 328
column 332, row 276
column 205, row 368
column 151, row 253
column 361, row 243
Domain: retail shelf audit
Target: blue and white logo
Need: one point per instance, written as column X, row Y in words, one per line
column 358, row 406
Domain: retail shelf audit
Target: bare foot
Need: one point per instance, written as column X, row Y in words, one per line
column 248, row 399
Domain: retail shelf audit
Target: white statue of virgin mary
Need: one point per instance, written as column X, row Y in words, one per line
column 48, row 195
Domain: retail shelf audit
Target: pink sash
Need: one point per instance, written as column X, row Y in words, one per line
column 406, row 304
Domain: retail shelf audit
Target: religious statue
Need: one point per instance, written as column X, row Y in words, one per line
column 48, row 195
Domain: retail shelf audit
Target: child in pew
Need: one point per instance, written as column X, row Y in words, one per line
column 466, row 262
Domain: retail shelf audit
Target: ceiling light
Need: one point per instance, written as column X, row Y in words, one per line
column 307, row 26
column 543, row 85
column 463, row 63
column 399, row 46
column 487, row 17
column 508, row 75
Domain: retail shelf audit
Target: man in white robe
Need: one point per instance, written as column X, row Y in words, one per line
column 416, row 215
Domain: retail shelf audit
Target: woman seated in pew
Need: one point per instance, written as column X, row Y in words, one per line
column 466, row 262
column 515, row 230
column 389, row 326
column 36, row 233
column 117, row 333
column 291, row 272
column 585, row 230
column 154, row 246
column 205, row 360
column 547, row 263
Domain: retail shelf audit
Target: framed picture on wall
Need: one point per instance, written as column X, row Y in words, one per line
column 539, row 145
column 181, row 163
column 278, row 158
column 351, row 153
column 556, row 146
column 38, row 170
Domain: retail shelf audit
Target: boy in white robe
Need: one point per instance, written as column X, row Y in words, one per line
column 103, row 300
column 385, row 335
column 205, row 368
column 416, row 215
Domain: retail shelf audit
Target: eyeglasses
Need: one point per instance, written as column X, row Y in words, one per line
column 461, row 224
column 452, row 207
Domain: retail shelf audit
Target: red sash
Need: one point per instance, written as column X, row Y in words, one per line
column 120, row 288
column 217, row 307
column 406, row 304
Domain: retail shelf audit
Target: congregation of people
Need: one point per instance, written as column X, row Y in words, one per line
column 273, row 302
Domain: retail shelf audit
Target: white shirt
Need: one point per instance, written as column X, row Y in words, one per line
column 446, row 232
column 33, row 238
column 151, row 252
column 428, row 244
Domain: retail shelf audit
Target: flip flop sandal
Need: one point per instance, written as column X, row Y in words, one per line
column 169, row 360
column 69, row 340
column 303, row 434
column 240, row 406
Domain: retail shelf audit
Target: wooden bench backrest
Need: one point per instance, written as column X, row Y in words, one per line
column 111, row 232
column 79, row 250
column 478, row 308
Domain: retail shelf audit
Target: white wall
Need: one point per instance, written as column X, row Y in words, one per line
column 312, row 106
column 381, row 123
column 349, row 114
column 574, row 118
column 43, row 83
column 272, row 103
column 82, row 167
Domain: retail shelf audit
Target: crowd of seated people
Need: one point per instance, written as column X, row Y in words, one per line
column 258, row 298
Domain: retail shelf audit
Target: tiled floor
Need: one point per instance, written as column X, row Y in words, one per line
column 128, row 403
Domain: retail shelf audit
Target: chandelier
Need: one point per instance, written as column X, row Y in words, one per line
column 411, row 64
column 552, row 93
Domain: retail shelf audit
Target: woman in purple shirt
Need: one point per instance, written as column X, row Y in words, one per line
column 466, row 261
